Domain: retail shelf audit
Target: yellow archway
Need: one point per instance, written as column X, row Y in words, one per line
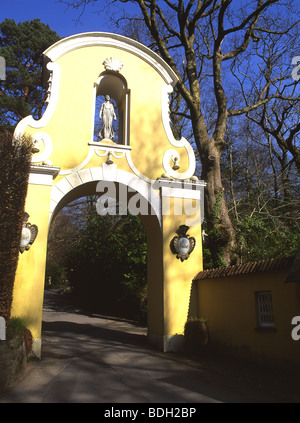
column 147, row 160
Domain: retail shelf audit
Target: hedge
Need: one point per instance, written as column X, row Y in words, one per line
column 15, row 160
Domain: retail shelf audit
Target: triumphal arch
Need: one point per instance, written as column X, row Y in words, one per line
column 106, row 130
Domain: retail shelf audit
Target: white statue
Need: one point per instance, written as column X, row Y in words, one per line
column 107, row 114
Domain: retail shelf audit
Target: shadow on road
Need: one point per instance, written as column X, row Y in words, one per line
column 93, row 358
column 93, row 332
column 113, row 331
column 60, row 302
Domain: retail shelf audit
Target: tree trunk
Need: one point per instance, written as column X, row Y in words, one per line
column 221, row 234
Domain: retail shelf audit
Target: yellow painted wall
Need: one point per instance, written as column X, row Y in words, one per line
column 178, row 275
column 71, row 124
column 29, row 282
column 70, row 129
column 229, row 305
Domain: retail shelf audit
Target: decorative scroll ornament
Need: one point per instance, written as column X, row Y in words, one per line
column 182, row 245
column 29, row 234
column 42, row 147
column 113, row 64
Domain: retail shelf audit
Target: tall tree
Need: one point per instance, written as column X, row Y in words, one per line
column 200, row 40
column 21, row 94
column 275, row 89
column 22, row 45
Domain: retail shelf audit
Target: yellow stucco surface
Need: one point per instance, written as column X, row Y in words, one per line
column 70, row 126
column 68, row 121
column 230, row 307
column 29, row 282
column 178, row 275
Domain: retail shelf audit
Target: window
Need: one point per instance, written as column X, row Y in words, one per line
column 264, row 309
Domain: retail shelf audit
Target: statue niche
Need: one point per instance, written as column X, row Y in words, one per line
column 111, row 118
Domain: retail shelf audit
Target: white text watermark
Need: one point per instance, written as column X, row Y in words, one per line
column 2, row 329
column 296, row 70
column 118, row 199
column 296, row 330
column 151, row 412
column 2, row 69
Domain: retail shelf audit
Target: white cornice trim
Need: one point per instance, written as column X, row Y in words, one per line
column 89, row 39
column 45, row 170
column 42, row 175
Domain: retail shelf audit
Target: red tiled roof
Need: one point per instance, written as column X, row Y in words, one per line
column 241, row 269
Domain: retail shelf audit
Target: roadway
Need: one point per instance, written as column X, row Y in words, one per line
column 97, row 359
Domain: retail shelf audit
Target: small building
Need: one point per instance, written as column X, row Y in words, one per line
column 251, row 308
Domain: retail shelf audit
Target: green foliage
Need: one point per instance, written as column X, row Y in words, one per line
column 107, row 267
column 217, row 239
column 208, row 262
column 260, row 238
column 15, row 160
column 22, row 45
column 16, row 327
column 55, row 275
column 217, row 208
column 17, row 331
column 21, row 94
column 262, row 192
column 216, row 245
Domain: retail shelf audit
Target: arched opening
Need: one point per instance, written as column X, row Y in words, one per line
column 101, row 261
column 115, row 86
column 114, row 274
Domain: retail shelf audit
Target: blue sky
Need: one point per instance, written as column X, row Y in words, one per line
column 60, row 18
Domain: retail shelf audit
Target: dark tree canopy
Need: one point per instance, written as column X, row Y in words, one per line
column 22, row 45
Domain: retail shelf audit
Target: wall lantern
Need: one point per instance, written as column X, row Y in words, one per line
column 182, row 245
column 29, row 234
